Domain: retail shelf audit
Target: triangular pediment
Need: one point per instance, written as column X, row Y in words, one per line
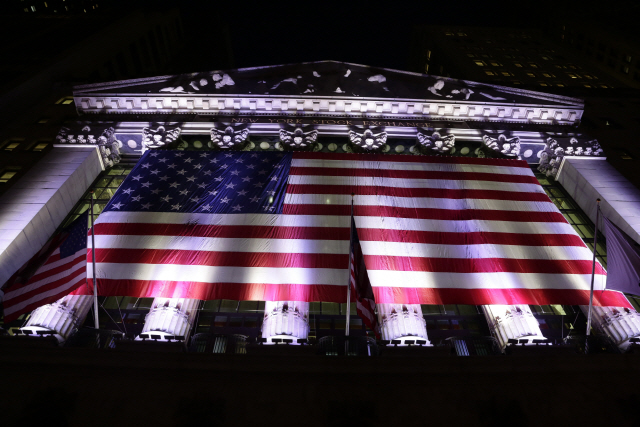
column 327, row 79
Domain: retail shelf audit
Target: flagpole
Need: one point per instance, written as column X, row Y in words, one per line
column 349, row 281
column 593, row 269
column 93, row 262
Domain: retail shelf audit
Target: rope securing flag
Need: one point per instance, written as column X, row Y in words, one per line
column 360, row 285
column 275, row 226
column 59, row 268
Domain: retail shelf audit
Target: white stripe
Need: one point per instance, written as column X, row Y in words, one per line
column 328, row 276
column 365, row 311
column 389, row 223
column 427, row 250
column 409, row 166
column 420, row 202
column 415, row 183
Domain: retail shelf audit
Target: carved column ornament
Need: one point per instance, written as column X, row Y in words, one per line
column 159, row 137
column 229, row 138
column 555, row 150
column 298, row 139
column 618, row 323
column 509, row 147
column 286, row 319
column 62, row 317
column 367, row 140
column 512, row 322
column 436, row 142
column 402, row 322
column 171, row 317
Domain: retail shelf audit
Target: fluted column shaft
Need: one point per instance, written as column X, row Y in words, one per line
column 618, row 323
column 512, row 322
column 171, row 317
column 285, row 319
column 62, row 317
column 402, row 322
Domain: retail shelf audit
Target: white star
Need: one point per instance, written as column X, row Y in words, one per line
column 236, row 207
column 255, row 199
column 179, row 154
column 213, row 161
column 162, row 160
column 202, row 185
column 182, row 172
column 136, row 198
column 146, row 205
column 206, row 207
column 116, row 205
column 246, row 179
column 198, row 166
column 258, row 184
column 224, row 166
column 271, row 208
column 136, row 178
column 164, row 178
column 235, row 173
column 156, row 191
column 153, row 154
column 254, row 155
column 174, row 185
column 228, row 155
column 265, row 160
column 218, row 178
column 278, row 166
column 188, row 160
column 251, row 166
column 191, row 178
column 203, row 154
column 146, row 165
column 175, row 207
column 271, row 193
column 128, row 191
column 224, row 200
column 146, row 184
column 262, row 172
column 166, row 198
column 274, row 178
column 184, row 192
column 155, row 172
column 230, row 185
column 242, row 193
column 207, row 173
column 214, row 192
column 195, row 199
column 172, row 165
column 240, row 160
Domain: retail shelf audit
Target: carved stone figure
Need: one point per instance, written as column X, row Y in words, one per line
column 298, row 138
column 156, row 138
column 368, row 140
column 440, row 143
column 504, row 145
column 229, row 138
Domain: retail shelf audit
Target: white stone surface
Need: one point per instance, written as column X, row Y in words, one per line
column 285, row 319
column 587, row 179
column 512, row 322
column 62, row 317
column 402, row 322
column 171, row 317
column 33, row 208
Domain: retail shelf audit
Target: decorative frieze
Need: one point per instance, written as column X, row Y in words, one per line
column 159, row 137
column 509, row 147
column 298, row 139
column 367, row 140
column 229, row 137
column 557, row 148
column 437, row 142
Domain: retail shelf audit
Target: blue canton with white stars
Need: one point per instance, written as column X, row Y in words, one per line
column 77, row 238
column 205, row 182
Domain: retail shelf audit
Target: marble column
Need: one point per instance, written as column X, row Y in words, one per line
column 285, row 319
column 62, row 317
column 402, row 322
column 514, row 322
column 171, row 317
column 618, row 323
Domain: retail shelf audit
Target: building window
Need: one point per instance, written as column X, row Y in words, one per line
column 12, row 145
column 516, row 82
column 40, row 146
column 449, row 33
column 531, row 75
column 517, row 64
column 6, row 175
column 65, row 101
column 573, row 76
column 490, row 73
column 480, row 63
column 560, row 84
column 462, row 34
column 507, row 73
column 548, row 75
column 533, row 65
column 471, row 55
column 43, row 120
column 496, row 64
column 543, row 84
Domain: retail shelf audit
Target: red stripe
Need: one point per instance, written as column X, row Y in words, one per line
column 56, row 270
column 425, row 213
column 338, row 233
column 436, row 193
column 330, row 293
column 413, row 174
column 413, row 159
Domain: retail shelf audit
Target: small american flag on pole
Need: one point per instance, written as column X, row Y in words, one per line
column 64, row 269
column 360, row 284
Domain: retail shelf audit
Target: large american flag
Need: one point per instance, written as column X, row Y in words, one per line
column 56, row 270
column 275, row 226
